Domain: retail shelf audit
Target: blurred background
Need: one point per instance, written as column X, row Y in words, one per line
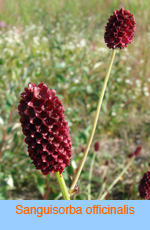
column 61, row 43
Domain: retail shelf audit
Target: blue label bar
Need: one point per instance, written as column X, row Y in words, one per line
column 74, row 214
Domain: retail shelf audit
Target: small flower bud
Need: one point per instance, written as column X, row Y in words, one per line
column 138, row 150
column 96, row 146
column 131, row 155
column 106, row 162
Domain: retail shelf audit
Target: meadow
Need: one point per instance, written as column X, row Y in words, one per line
column 62, row 44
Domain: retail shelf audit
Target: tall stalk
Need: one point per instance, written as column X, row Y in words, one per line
column 94, row 124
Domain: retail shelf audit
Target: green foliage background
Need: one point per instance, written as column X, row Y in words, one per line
column 61, row 43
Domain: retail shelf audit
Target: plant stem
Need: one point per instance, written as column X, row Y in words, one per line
column 90, row 176
column 104, row 184
column 95, row 122
column 117, row 179
column 62, row 185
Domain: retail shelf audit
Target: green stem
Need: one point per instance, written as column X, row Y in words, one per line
column 90, row 176
column 95, row 123
column 104, row 184
column 117, row 179
column 62, row 185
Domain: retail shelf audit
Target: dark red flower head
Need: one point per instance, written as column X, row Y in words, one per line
column 120, row 29
column 97, row 146
column 144, row 187
column 138, row 150
column 46, row 131
column 131, row 155
column 106, row 162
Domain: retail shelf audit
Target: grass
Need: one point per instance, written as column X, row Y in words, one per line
column 61, row 43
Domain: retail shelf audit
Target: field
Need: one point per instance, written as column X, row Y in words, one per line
column 62, row 44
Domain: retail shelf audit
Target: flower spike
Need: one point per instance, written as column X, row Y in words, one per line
column 46, row 131
column 144, row 186
column 120, row 29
